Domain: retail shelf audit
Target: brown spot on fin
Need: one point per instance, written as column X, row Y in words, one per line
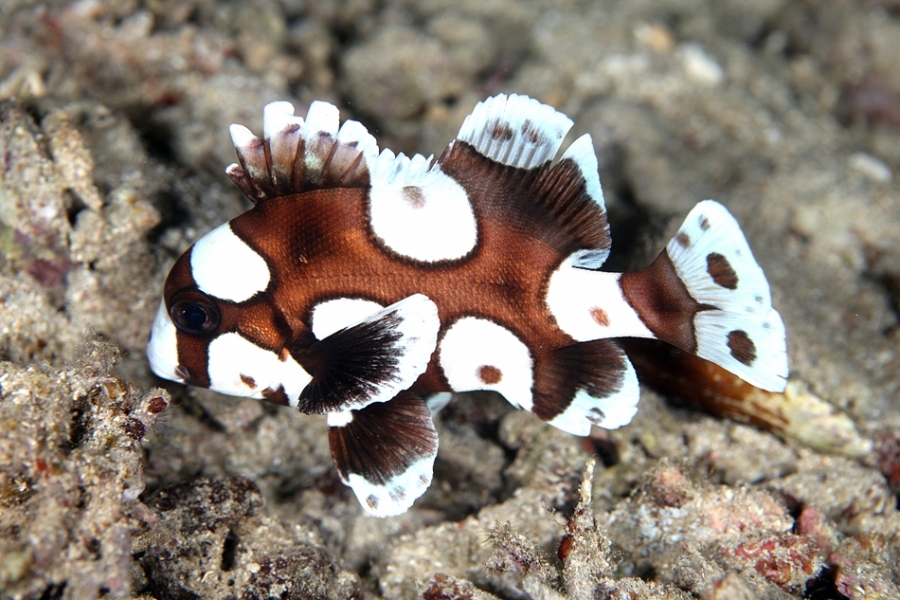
column 720, row 270
column 742, row 347
column 389, row 447
column 297, row 155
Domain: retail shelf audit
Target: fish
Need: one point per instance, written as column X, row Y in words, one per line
column 369, row 287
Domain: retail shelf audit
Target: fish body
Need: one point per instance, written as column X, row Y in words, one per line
column 368, row 286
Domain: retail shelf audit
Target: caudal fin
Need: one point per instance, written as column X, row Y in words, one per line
column 735, row 326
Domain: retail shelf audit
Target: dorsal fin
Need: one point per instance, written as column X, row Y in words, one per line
column 502, row 157
column 385, row 452
column 514, row 130
column 297, row 155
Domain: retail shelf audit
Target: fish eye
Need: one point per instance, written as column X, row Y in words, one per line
column 194, row 313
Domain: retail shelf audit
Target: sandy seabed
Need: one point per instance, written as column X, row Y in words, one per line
column 113, row 140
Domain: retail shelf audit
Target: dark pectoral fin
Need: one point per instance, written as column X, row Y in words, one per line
column 373, row 360
column 590, row 383
column 385, row 452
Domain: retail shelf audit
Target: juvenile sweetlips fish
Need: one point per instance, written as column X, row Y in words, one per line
column 368, row 287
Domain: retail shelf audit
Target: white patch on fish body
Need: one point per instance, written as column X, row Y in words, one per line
column 419, row 212
column 225, row 267
column 477, row 354
column 589, row 305
column 333, row 315
column 233, row 360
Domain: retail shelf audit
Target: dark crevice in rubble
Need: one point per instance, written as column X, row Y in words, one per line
column 822, row 586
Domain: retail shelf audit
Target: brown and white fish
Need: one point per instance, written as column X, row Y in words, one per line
column 368, row 287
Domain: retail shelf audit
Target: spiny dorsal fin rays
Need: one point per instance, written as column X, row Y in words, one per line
column 517, row 131
column 298, row 155
column 282, row 130
column 250, row 173
column 417, row 194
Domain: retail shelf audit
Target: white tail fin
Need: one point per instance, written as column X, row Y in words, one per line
column 741, row 332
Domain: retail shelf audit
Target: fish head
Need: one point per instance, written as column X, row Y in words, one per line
column 217, row 326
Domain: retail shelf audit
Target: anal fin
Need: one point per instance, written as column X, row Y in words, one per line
column 385, row 452
column 373, row 360
column 585, row 384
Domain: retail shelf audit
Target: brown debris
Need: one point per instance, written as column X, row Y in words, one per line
column 794, row 413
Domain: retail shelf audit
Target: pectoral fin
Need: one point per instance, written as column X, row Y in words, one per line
column 373, row 360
